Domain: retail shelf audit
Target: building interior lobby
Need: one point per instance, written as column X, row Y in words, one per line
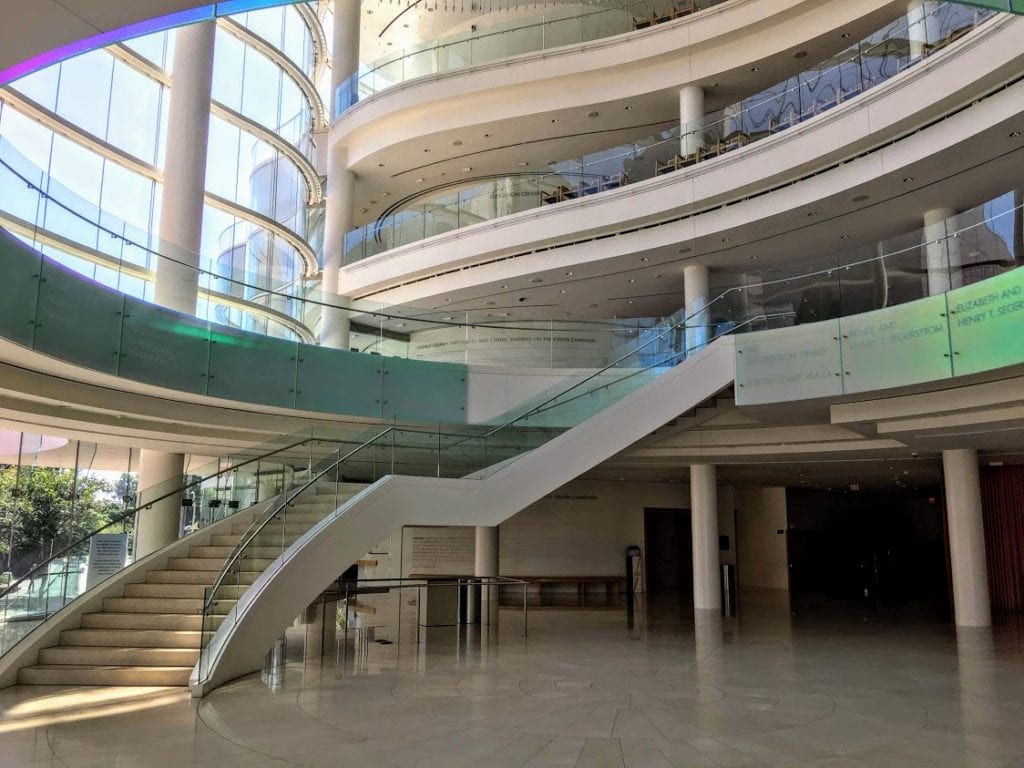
column 503, row 384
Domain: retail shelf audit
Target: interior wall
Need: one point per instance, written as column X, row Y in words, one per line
column 761, row 534
column 1002, row 502
column 583, row 528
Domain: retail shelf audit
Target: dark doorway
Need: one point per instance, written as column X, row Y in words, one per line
column 872, row 552
column 669, row 556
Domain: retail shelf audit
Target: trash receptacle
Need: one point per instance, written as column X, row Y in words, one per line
column 728, row 590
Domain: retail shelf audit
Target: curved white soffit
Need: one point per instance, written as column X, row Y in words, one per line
column 37, row 33
column 699, row 48
column 940, row 86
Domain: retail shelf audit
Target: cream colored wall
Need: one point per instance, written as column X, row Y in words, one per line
column 762, row 555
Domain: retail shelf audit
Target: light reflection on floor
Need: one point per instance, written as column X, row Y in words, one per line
column 582, row 690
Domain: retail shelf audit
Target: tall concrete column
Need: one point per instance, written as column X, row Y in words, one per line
column 922, row 26
column 188, row 131
column 160, row 473
column 486, row 566
column 691, row 119
column 334, row 327
column 941, row 252
column 696, row 294
column 966, row 538
column 707, row 587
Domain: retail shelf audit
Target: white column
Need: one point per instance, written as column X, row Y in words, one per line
column 691, row 119
column 922, row 26
column 159, row 473
column 334, row 326
column 188, row 131
column 486, row 566
column 707, row 587
column 696, row 294
column 966, row 538
column 941, row 252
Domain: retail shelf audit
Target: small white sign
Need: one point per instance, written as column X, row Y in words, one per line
column 107, row 555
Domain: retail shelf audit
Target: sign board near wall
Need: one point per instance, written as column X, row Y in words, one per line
column 107, row 555
column 439, row 550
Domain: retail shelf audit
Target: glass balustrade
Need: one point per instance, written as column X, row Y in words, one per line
column 559, row 26
column 828, row 84
column 44, row 575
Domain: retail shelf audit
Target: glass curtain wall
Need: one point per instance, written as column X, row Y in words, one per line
column 120, row 96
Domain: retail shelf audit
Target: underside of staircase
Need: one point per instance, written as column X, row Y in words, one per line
column 151, row 635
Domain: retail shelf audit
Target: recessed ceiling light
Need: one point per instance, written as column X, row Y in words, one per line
column 364, row 210
column 645, row 259
column 467, row 169
column 859, row 198
column 504, row 286
column 554, row 119
column 369, row 11
column 426, row 150
column 568, row 274
column 487, row 135
column 812, row 213
column 457, row 143
column 800, row 54
column 380, row 165
column 629, row 301
column 725, row 239
column 907, row 179
column 593, row 114
column 373, row 202
column 754, row 257
column 448, row 318
column 419, row 181
column 385, row 194
column 632, row 280
column 390, row 43
column 844, row 237
column 406, row 26
column 537, row 280
column 592, row 306
column 489, row 304
column 1014, row 134
column 845, row 35
column 562, row 291
column 755, row 69
column 657, row 277
column 447, row 300
column 400, row 325
column 627, row 107
column 684, row 249
column 522, row 163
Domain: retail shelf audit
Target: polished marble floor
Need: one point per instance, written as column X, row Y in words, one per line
column 583, row 690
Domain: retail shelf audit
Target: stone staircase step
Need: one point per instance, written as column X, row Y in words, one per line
column 65, row 674
column 191, row 605
column 209, row 553
column 181, row 577
column 135, row 638
column 195, row 564
column 164, row 590
column 149, row 621
column 81, row 655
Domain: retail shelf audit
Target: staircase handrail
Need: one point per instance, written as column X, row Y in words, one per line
column 149, row 503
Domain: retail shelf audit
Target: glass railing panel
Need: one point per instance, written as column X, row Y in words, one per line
column 491, row 46
column 803, row 363
column 19, row 290
column 234, row 359
column 525, row 39
column 328, row 377
column 985, row 323
column 420, row 63
column 63, row 308
column 441, row 385
column 166, row 349
column 896, row 347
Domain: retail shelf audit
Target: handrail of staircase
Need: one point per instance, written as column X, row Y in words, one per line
column 149, row 503
column 257, row 526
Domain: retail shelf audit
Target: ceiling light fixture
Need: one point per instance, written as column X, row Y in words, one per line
column 1014, row 134
column 593, row 114
column 907, row 179
column 419, row 181
column 467, row 169
column 457, row 143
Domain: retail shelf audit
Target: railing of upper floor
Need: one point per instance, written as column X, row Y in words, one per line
column 559, row 26
column 860, row 67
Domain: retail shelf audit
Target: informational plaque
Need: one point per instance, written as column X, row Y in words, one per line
column 446, row 551
column 107, row 555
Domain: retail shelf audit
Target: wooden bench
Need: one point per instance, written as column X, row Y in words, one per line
column 565, row 591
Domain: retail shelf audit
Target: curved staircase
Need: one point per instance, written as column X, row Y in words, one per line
column 151, row 635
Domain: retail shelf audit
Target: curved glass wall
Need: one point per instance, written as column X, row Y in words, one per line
column 553, row 28
column 112, row 105
column 860, row 67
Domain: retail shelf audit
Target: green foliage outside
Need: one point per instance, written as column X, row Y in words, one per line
column 44, row 510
